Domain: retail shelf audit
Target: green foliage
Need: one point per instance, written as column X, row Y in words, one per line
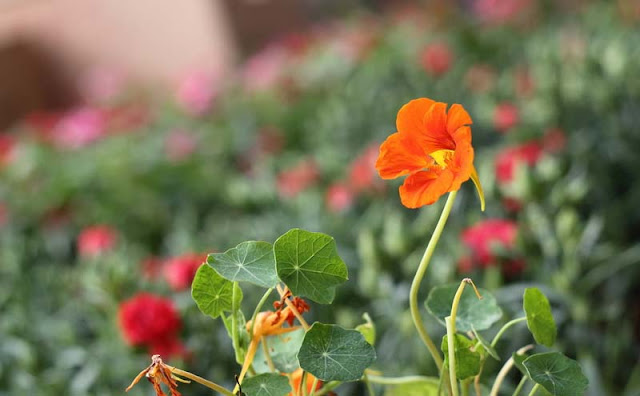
column 332, row 353
column 417, row 388
column 557, row 373
column 212, row 293
column 250, row 261
column 539, row 318
column 283, row 350
column 368, row 329
column 308, row 263
column 473, row 313
column 468, row 360
column 266, row 385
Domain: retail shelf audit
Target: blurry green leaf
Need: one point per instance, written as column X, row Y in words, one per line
column 426, row 387
column 539, row 318
column 517, row 361
column 332, row 353
column 212, row 293
column 266, row 385
column 368, row 329
column 308, row 263
column 557, row 373
column 283, row 349
column 250, row 261
column 467, row 359
column 473, row 313
column 486, row 345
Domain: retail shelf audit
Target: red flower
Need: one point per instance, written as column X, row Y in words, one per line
column 180, row 271
column 7, row 149
column 293, row 181
column 497, row 12
column 148, row 319
column 505, row 117
column 363, row 175
column 483, row 237
column 554, row 140
column 168, row 347
column 437, row 58
column 151, row 267
column 524, row 83
column 95, row 240
column 508, row 159
column 338, row 198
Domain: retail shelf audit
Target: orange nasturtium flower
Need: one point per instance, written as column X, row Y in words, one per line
column 433, row 147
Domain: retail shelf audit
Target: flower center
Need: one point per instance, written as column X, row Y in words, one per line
column 442, row 157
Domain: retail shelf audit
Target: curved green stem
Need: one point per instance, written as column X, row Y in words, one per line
column 365, row 378
column 505, row 328
column 234, row 321
column 417, row 280
column 200, row 380
column 258, row 308
column 520, row 386
column 451, row 334
column 326, row 388
column 534, row 390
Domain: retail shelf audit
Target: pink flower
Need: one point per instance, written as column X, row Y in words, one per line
column 179, row 145
column 437, row 58
column 195, row 92
column 363, row 175
column 480, row 78
column 338, row 198
column 148, row 319
column 7, row 149
column 524, row 83
column 79, row 128
column 265, row 69
column 505, row 117
column 180, row 271
column 498, row 12
column 486, row 235
column 508, row 159
column 95, row 240
column 102, row 84
column 293, row 181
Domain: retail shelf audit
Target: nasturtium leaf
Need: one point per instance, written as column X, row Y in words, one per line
column 368, row 329
column 474, row 313
column 486, row 345
column 212, row 293
column 424, row 387
column 266, row 385
column 557, row 373
column 308, row 263
column 517, row 361
column 539, row 318
column 332, row 353
column 467, row 359
column 283, row 349
column 250, row 261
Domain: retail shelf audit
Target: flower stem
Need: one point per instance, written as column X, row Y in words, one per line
column 505, row 328
column 505, row 370
column 400, row 380
column 267, row 356
column 534, row 390
column 422, row 269
column 520, row 386
column 200, row 380
column 294, row 310
column 451, row 334
column 258, row 308
column 234, row 321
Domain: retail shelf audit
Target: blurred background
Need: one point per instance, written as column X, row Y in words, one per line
column 136, row 137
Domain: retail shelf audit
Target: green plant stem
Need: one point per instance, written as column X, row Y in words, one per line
column 505, row 328
column 505, row 370
column 520, row 386
column 326, row 388
column 451, row 334
column 314, row 385
column 234, row 321
column 417, row 280
column 267, row 356
column 466, row 384
column 401, row 380
column 365, row 378
column 302, row 389
column 534, row 390
column 201, row 381
column 258, row 308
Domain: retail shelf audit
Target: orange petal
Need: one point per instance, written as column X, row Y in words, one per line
column 400, row 155
column 435, row 136
column 461, row 164
column 457, row 117
column 411, row 115
column 425, row 188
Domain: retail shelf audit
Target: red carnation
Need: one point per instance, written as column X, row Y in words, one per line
column 147, row 319
column 485, row 236
column 437, row 58
column 505, row 117
column 508, row 159
column 95, row 240
column 180, row 271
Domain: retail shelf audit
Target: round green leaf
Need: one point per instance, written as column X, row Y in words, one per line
column 467, row 359
column 250, row 261
column 332, row 353
column 557, row 373
column 368, row 329
column 266, row 385
column 308, row 263
column 212, row 293
column 425, row 387
column 283, row 349
column 539, row 318
column 473, row 313
column 486, row 345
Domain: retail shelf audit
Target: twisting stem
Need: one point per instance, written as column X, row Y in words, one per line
column 267, row 356
column 505, row 370
column 505, row 328
column 417, row 280
column 451, row 334
column 294, row 310
column 200, row 380
column 258, row 308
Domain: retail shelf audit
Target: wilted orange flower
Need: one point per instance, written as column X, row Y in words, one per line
column 433, row 147
column 159, row 373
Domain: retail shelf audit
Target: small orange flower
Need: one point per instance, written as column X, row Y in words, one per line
column 433, row 147
column 159, row 373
